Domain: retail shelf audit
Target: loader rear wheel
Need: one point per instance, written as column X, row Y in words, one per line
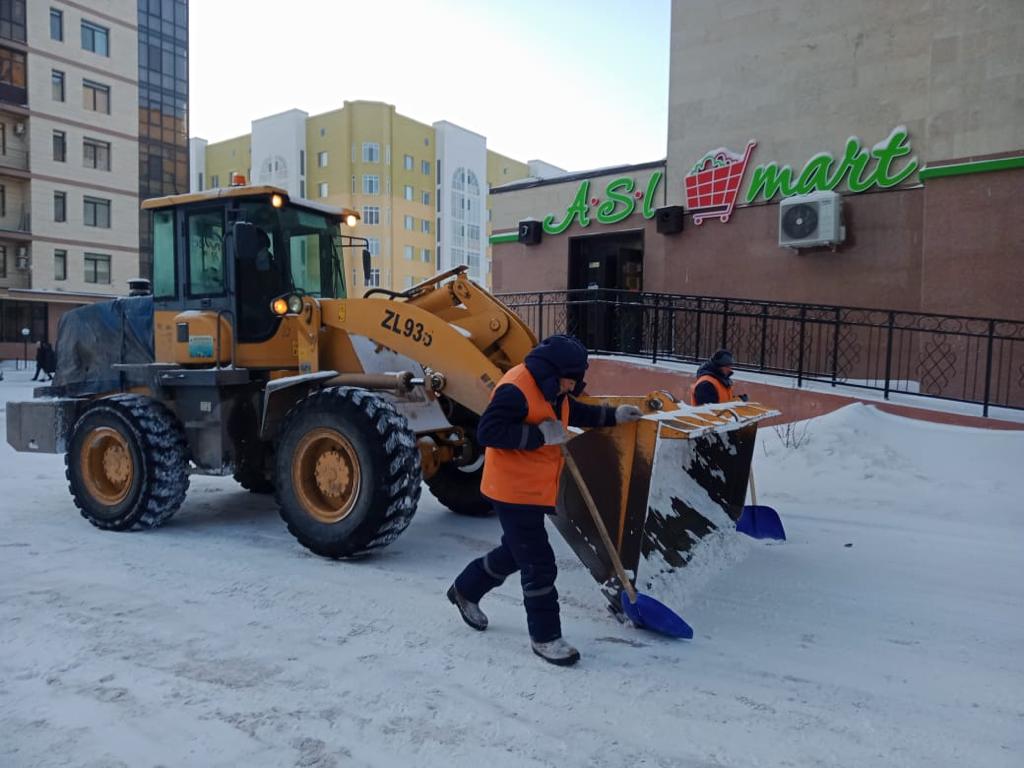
column 127, row 463
column 253, row 480
column 347, row 475
column 458, row 488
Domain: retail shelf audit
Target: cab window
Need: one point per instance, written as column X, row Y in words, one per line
column 164, row 269
column 206, row 272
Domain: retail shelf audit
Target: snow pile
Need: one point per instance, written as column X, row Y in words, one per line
column 887, row 631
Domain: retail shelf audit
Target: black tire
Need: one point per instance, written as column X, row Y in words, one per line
column 154, row 443
column 384, row 499
column 253, row 480
column 458, row 489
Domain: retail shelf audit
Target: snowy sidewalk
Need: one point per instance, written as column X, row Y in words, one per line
column 887, row 632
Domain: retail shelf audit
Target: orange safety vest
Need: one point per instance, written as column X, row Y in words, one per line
column 724, row 393
column 525, row 477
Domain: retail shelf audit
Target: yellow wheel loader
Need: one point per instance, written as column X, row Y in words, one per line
column 254, row 357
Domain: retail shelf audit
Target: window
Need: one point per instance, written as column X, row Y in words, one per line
column 3, row 261
column 302, row 188
column 409, row 280
column 425, row 255
column 200, row 179
column 302, row 162
column 97, row 268
column 408, row 192
column 425, row 167
column 409, row 222
column 60, row 265
column 3, row 200
column 425, row 197
column 12, row 77
column 56, row 25
column 425, row 226
column 353, row 185
column 96, row 154
column 214, row 181
column 371, row 152
column 371, row 215
column 60, row 146
column 321, row 189
column 321, row 159
column 96, row 97
column 164, row 268
column 95, row 38
column 372, row 280
column 12, row 20
column 205, row 253
column 16, row 315
column 373, row 246
column 409, row 252
column 57, row 77
column 96, row 212
column 371, row 184
column 408, row 163
column 60, row 206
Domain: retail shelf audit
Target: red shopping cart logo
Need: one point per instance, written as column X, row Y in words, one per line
column 714, row 183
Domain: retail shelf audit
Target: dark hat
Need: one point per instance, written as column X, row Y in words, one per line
column 722, row 357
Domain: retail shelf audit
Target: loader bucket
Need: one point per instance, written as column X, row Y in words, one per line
column 662, row 485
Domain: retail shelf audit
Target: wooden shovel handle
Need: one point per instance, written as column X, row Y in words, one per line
column 599, row 524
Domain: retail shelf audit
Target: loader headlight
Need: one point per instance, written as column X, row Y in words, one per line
column 351, row 220
column 286, row 305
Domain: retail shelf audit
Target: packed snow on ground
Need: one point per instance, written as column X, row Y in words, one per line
column 888, row 630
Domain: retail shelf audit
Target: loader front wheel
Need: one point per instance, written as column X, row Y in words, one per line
column 127, row 463
column 347, row 474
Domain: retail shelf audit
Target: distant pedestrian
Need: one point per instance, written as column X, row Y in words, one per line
column 44, row 360
column 714, row 381
column 523, row 430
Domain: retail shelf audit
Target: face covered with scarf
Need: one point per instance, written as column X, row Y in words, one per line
column 558, row 365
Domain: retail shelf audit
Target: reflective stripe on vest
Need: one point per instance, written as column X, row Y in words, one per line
column 525, row 477
column 723, row 392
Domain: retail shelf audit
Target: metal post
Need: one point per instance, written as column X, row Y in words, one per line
column 725, row 324
column 540, row 314
column 888, row 353
column 764, row 333
column 696, row 338
column 988, row 365
column 654, row 345
column 800, row 355
column 835, row 348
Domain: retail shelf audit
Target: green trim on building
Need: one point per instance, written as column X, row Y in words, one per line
column 505, row 237
column 978, row 166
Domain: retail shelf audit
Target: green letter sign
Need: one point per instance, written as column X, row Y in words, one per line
column 818, row 173
column 620, row 200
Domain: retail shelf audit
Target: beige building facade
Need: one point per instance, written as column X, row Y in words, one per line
column 69, row 161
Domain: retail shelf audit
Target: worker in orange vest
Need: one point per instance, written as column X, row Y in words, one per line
column 523, row 429
column 714, row 381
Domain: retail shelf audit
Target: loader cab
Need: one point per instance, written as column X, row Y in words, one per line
column 219, row 260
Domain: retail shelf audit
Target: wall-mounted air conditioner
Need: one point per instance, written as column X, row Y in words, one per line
column 21, row 260
column 808, row 221
column 19, row 129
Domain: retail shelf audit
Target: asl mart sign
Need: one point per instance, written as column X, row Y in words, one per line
column 713, row 185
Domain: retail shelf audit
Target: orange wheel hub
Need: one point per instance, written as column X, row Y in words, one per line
column 326, row 475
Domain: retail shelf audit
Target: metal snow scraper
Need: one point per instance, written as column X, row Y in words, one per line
column 664, row 484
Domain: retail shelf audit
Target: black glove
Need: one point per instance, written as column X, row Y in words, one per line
column 744, row 398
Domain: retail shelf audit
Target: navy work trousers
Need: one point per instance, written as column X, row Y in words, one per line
column 525, row 548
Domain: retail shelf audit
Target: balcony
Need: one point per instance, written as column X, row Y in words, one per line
column 16, row 224
column 14, row 162
column 18, row 263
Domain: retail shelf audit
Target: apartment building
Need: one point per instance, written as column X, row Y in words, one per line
column 422, row 189
column 69, row 160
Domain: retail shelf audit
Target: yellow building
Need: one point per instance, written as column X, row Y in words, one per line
column 422, row 189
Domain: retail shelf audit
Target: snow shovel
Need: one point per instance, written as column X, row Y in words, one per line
column 644, row 611
column 760, row 522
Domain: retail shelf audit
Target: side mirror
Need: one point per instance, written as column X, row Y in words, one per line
column 367, row 264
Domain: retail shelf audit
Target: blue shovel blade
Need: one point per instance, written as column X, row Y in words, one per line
column 648, row 613
column 760, row 522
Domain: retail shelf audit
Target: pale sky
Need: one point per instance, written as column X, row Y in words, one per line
column 578, row 83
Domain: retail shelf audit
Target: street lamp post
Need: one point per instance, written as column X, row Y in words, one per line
column 25, row 332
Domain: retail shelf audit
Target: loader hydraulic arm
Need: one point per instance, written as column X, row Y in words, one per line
column 456, row 329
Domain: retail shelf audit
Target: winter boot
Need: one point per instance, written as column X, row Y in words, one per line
column 471, row 613
column 557, row 652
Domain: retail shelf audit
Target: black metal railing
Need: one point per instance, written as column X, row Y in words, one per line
column 967, row 359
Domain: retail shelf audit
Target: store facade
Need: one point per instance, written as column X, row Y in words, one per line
column 836, row 158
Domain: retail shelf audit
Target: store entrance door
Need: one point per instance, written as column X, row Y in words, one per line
column 605, row 270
